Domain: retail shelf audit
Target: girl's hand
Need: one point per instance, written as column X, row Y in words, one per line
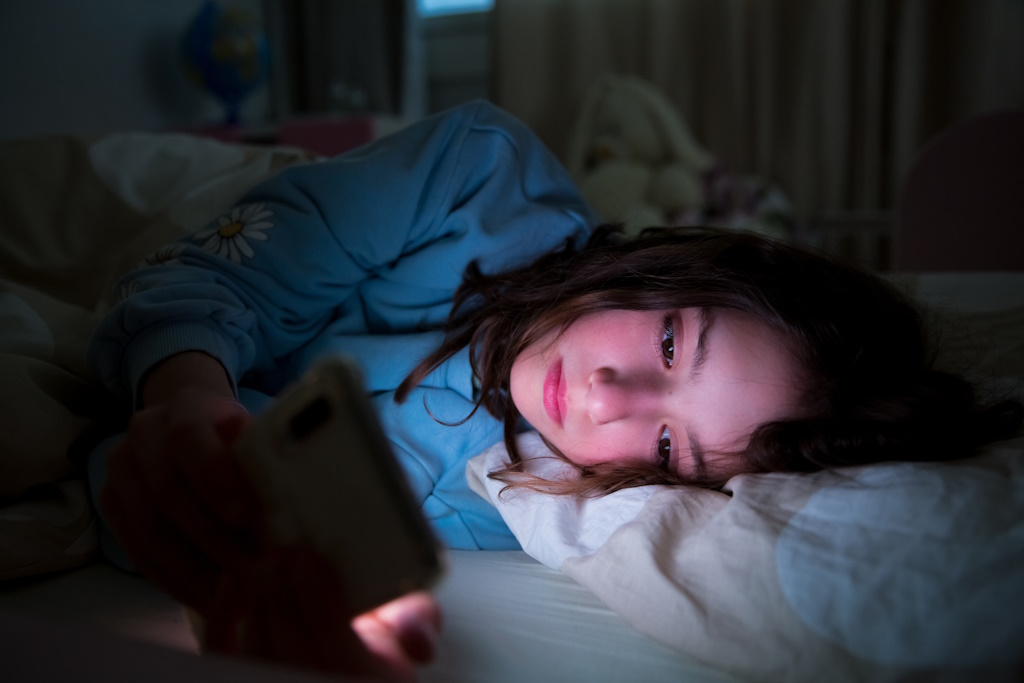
column 187, row 516
column 178, row 501
column 297, row 614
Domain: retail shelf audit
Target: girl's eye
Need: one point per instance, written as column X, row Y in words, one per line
column 665, row 449
column 668, row 341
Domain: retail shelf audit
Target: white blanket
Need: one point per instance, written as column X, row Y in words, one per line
column 76, row 214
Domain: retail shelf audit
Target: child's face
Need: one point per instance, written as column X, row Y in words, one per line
column 657, row 386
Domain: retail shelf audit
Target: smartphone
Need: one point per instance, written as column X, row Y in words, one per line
column 327, row 476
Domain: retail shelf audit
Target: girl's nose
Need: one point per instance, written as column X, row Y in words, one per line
column 613, row 396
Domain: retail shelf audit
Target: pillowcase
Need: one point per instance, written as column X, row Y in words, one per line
column 864, row 573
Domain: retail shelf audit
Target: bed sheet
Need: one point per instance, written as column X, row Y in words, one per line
column 508, row 619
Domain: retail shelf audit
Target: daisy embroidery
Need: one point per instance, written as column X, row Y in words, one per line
column 230, row 237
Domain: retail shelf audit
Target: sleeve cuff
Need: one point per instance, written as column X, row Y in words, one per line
column 160, row 342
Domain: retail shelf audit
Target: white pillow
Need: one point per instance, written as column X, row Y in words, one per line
column 868, row 572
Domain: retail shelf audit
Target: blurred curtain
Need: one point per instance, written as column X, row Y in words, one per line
column 339, row 55
column 830, row 99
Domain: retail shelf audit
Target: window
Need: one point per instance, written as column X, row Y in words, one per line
column 432, row 8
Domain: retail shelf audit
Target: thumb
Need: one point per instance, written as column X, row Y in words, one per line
column 229, row 428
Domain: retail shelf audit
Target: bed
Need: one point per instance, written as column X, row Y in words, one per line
column 882, row 573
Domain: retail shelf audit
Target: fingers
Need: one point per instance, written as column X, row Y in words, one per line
column 226, row 612
column 186, row 514
column 295, row 618
column 199, row 431
column 390, row 639
column 158, row 550
column 153, row 494
column 310, row 595
column 206, row 495
column 231, row 425
column 177, row 500
column 409, row 625
column 419, row 628
column 300, row 617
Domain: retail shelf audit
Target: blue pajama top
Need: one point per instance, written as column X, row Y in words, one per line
column 361, row 254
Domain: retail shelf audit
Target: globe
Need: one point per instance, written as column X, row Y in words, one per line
column 227, row 53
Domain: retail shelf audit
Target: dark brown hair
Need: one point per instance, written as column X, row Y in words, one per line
column 873, row 392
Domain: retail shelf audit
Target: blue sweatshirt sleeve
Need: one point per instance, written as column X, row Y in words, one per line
column 372, row 242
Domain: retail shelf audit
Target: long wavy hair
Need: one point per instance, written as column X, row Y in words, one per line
column 872, row 391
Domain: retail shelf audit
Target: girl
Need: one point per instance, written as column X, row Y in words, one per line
column 457, row 263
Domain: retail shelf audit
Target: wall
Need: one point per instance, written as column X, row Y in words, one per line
column 102, row 65
column 73, row 66
column 458, row 58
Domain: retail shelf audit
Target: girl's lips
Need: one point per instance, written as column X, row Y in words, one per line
column 554, row 392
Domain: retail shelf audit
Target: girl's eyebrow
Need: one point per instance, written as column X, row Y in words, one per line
column 705, row 320
column 700, row 354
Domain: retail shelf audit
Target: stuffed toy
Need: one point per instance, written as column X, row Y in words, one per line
column 638, row 164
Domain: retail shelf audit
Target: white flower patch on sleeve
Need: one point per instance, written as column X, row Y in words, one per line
column 229, row 237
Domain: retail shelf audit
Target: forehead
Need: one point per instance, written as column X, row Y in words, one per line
column 618, row 321
column 751, row 377
column 739, row 332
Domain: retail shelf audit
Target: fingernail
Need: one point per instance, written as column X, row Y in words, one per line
column 419, row 642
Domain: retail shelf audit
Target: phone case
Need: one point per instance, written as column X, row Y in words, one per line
column 320, row 462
